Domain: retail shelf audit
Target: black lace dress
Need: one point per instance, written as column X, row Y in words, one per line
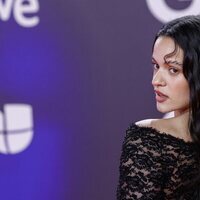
column 155, row 165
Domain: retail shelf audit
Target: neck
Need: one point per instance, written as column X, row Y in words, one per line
column 178, row 113
column 180, row 121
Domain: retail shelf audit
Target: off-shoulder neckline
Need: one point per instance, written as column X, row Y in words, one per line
column 164, row 134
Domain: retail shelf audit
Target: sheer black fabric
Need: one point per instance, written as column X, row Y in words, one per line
column 155, row 165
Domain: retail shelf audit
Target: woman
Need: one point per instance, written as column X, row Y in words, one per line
column 160, row 157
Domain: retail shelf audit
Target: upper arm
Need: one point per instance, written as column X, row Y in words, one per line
column 140, row 170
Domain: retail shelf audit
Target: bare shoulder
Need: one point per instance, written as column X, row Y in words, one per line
column 161, row 125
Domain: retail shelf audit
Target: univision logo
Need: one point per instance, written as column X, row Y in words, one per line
column 164, row 13
column 16, row 128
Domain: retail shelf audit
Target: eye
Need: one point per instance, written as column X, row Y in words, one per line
column 173, row 70
column 155, row 66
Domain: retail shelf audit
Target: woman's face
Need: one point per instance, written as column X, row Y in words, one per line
column 171, row 87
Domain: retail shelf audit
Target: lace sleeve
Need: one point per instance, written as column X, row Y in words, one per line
column 140, row 167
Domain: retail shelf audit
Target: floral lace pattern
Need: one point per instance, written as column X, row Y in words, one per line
column 155, row 165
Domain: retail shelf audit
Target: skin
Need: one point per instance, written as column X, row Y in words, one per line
column 168, row 78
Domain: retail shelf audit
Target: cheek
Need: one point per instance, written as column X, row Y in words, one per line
column 180, row 89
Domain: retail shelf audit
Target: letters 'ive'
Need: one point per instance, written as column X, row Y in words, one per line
column 20, row 9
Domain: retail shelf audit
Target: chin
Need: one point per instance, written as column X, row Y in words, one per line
column 164, row 109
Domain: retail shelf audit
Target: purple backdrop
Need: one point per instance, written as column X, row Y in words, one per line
column 85, row 69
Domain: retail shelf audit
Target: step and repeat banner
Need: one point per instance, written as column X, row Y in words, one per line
column 73, row 75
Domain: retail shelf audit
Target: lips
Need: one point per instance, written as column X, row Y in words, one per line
column 160, row 97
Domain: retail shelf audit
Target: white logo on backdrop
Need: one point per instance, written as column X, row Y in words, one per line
column 165, row 13
column 20, row 9
column 16, row 128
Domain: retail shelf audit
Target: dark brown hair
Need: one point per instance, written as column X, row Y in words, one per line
column 185, row 32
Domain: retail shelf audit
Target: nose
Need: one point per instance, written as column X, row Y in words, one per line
column 158, row 79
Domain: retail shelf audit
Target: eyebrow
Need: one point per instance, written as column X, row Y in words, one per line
column 153, row 59
column 173, row 62
column 169, row 62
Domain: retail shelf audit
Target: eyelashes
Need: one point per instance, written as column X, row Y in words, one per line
column 155, row 66
column 172, row 70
